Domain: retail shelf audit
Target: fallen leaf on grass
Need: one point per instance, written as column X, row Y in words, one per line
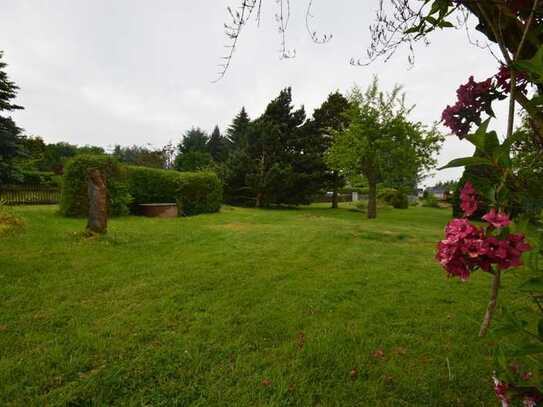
column 378, row 354
column 266, row 382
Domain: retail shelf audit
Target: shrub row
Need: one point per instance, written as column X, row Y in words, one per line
column 194, row 192
column 130, row 185
column 74, row 197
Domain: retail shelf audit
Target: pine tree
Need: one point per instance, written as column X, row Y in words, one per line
column 280, row 150
column 9, row 132
column 218, row 146
column 237, row 131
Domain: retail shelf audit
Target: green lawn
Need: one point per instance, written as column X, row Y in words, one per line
column 247, row 307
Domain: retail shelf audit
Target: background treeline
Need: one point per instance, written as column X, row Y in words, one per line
column 276, row 158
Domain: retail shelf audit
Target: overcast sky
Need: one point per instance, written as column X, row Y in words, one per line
column 107, row 72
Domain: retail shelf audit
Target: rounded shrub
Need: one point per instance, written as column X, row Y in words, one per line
column 74, row 197
column 199, row 192
column 399, row 200
column 152, row 185
column 387, row 195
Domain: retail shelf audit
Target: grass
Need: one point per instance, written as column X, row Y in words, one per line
column 247, row 307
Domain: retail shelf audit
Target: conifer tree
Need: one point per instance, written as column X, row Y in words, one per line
column 218, row 146
column 9, row 132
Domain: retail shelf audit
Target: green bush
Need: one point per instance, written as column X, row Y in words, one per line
column 400, row 200
column 430, row 201
column 194, row 192
column 74, row 198
column 152, row 185
column 39, row 178
column 387, row 195
column 199, row 192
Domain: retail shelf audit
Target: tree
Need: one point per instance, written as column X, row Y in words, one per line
column 192, row 151
column 217, row 146
column 236, row 167
column 380, row 143
column 237, row 131
column 281, row 155
column 9, row 132
column 328, row 119
column 141, row 155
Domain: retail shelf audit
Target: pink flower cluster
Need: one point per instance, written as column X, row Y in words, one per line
column 467, row 247
column 503, row 80
column 474, row 98
column 468, row 199
column 506, row 392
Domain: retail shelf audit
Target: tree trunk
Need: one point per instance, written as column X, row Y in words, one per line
column 492, row 304
column 372, row 199
column 97, row 193
column 258, row 203
column 334, row 190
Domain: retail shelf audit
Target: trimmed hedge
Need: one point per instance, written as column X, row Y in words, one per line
column 199, row 192
column 194, row 192
column 74, row 199
column 152, row 185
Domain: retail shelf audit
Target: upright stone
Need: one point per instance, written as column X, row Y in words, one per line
column 97, row 192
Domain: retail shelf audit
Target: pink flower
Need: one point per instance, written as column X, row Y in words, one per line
column 497, row 219
column 468, row 199
column 458, row 229
column 500, row 388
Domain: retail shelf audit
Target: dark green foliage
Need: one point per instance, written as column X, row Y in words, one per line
column 329, row 119
column 40, row 177
column 74, row 199
column 141, row 155
column 387, row 195
column 282, row 155
column 193, row 154
column 217, row 146
column 237, row 131
column 193, row 161
column 9, row 132
column 236, row 167
column 400, row 200
column 199, row 192
column 236, row 190
column 152, row 185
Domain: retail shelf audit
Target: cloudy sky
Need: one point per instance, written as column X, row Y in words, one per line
column 107, row 72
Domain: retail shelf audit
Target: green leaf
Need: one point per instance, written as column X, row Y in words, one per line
column 540, row 328
column 466, row 162
column 533, row 66
column 445, row 24
column 533, row 284
column 478, row 139
column 413, row 30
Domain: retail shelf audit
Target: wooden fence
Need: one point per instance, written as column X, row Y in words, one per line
column 29, row 194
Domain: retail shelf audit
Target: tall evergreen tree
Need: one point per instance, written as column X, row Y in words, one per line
column 280, row 146
column 9, row 132
column 237, row 131
column 328, row 119
column 217, row 146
